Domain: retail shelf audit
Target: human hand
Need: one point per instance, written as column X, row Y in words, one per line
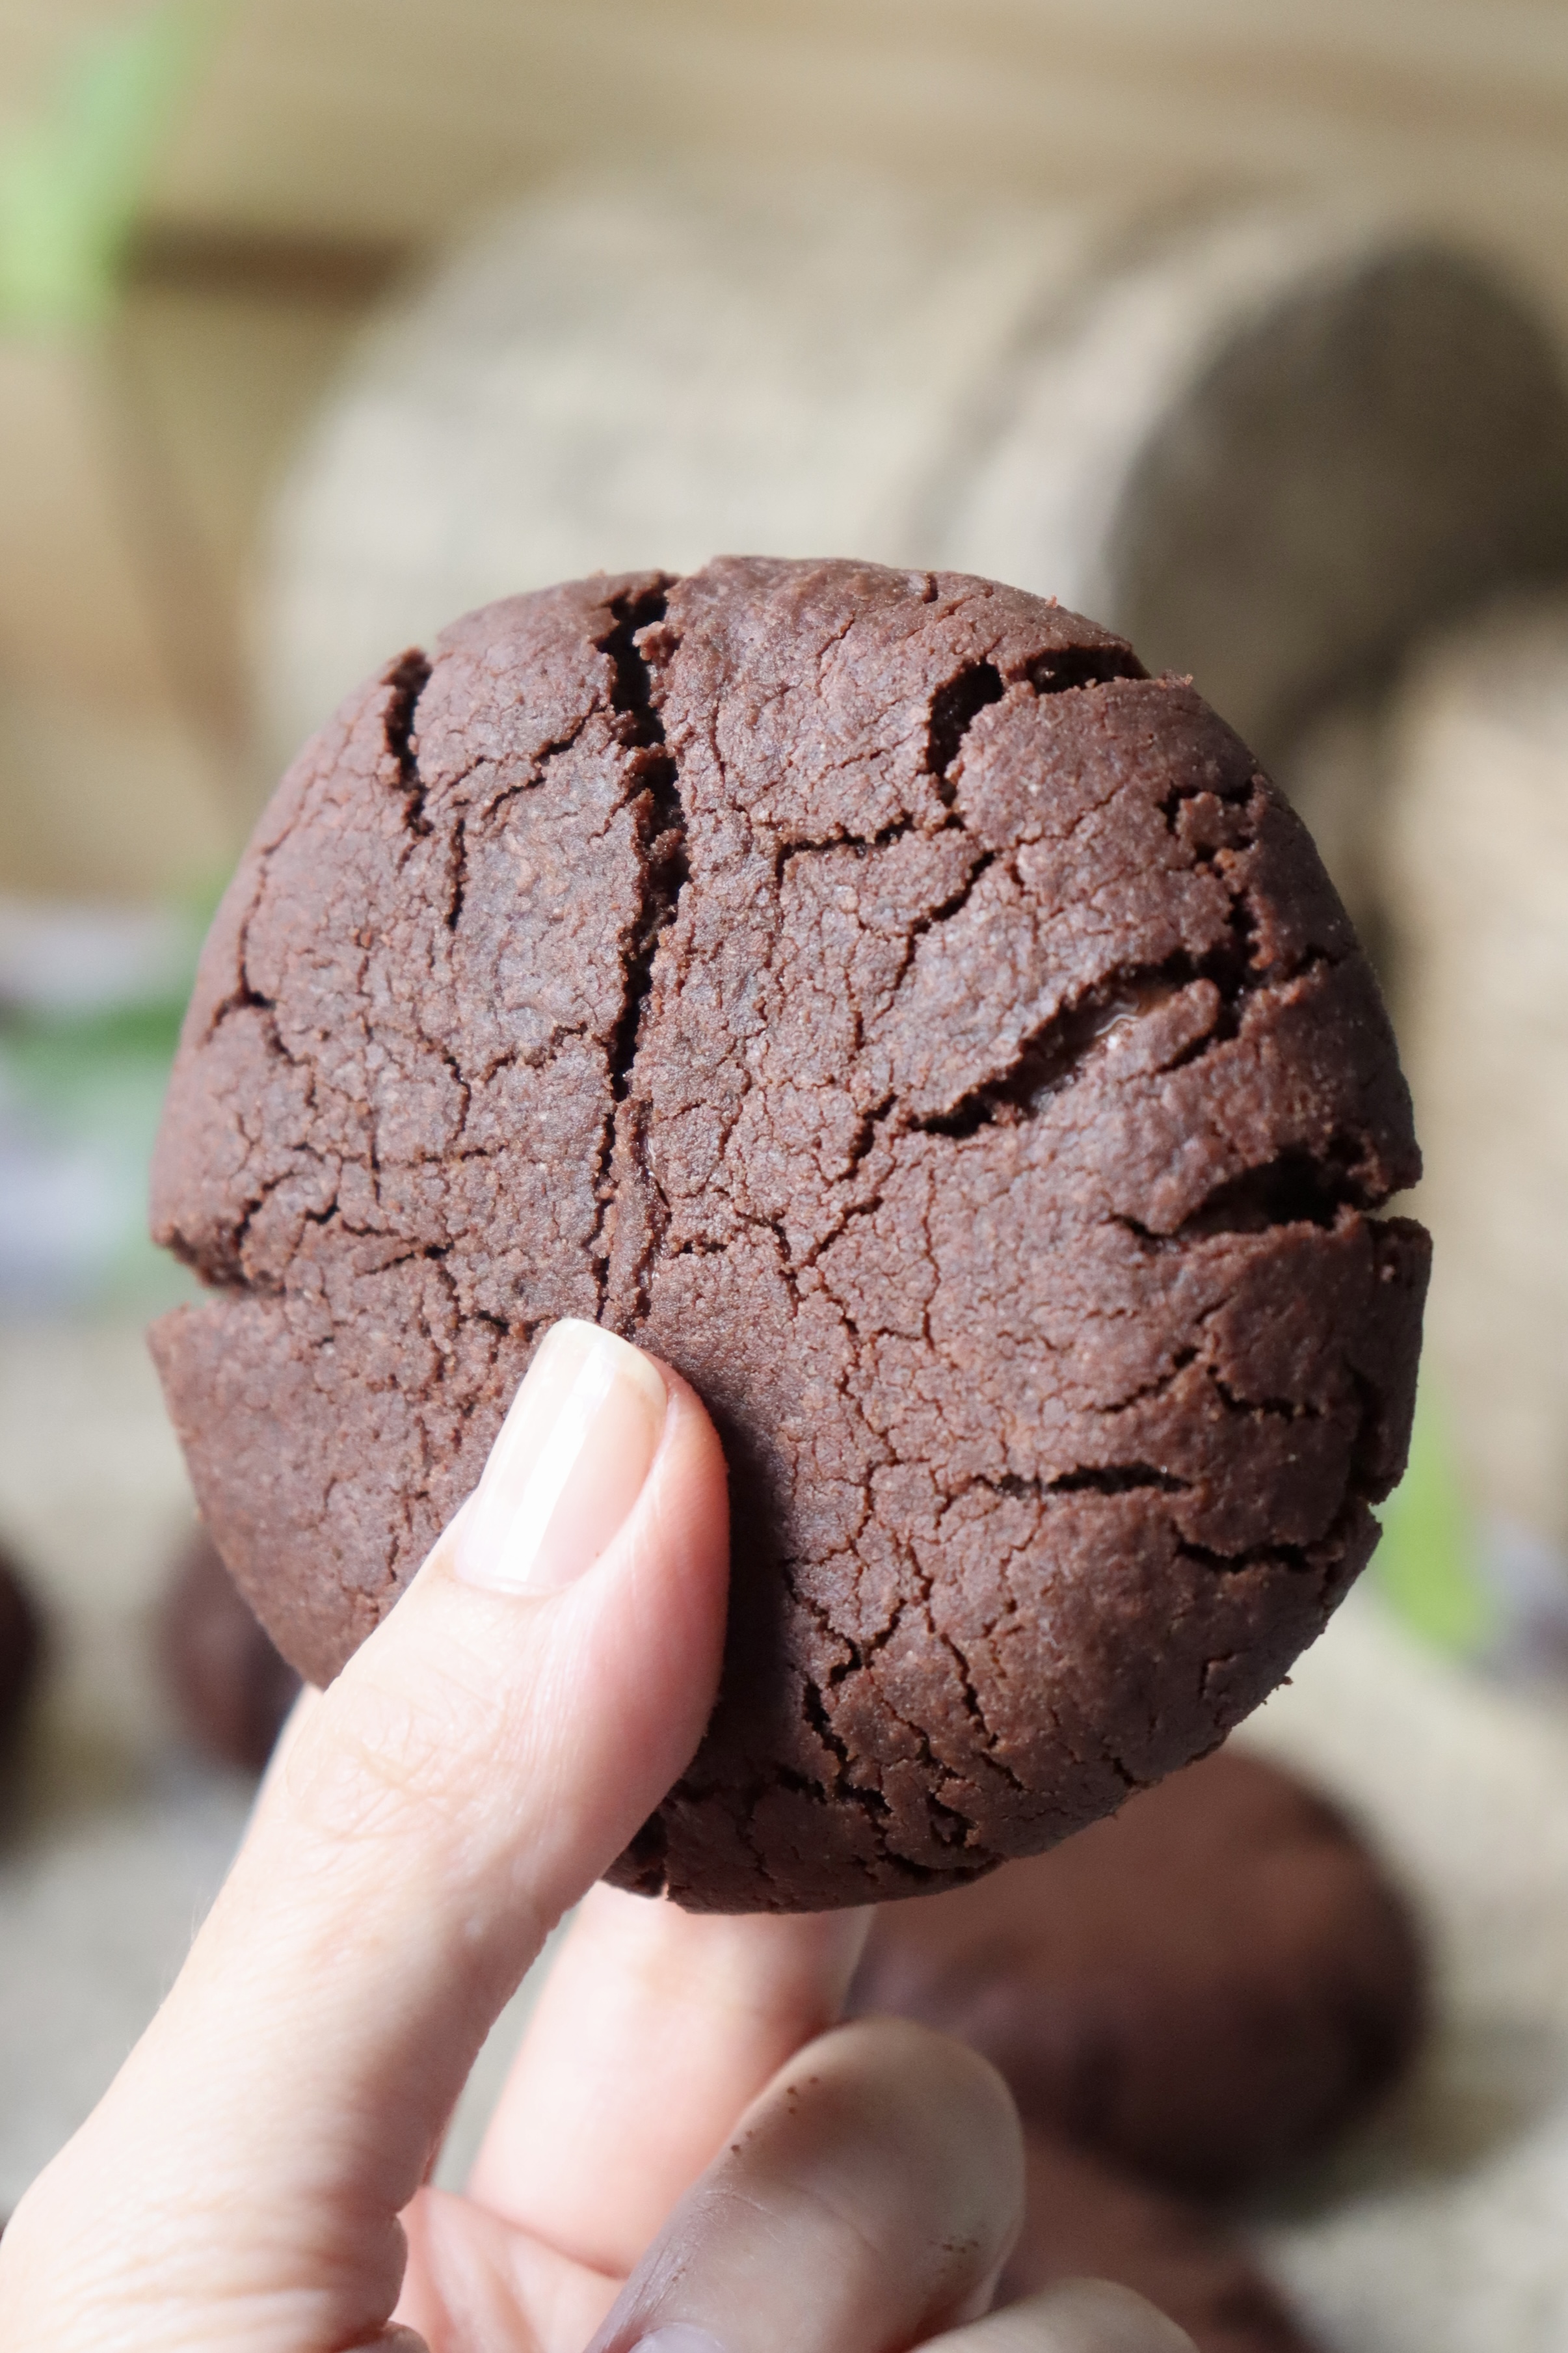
column 683, row 2145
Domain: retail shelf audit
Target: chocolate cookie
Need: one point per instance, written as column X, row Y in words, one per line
column 872, row 992
column 1207, row 1988
column 1084, row 2221
column 230, row 1685
column 21, row 1646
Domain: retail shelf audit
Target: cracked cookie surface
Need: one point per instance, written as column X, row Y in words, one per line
column 873, row 993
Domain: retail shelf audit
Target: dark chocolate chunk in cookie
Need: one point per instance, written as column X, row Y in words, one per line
column 1206, row 1989
column 875, row 994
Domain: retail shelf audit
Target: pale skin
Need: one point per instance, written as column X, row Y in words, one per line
column 688, row 2143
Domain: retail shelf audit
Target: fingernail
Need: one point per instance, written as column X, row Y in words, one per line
column 568, row 1465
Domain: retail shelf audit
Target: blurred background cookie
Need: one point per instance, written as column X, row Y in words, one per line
column 228, row 1685
column 21, row 1646
column 1085, row 2220
column 1206, row 1989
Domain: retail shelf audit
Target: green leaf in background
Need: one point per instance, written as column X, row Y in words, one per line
column 1427, row 1565
column 72, row 185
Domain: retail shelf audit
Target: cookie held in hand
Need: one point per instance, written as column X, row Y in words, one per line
column 1207, row 1989
column 872, row 992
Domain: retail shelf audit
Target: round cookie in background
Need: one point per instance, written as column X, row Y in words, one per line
column 21, row 1647
column 872, row 992
column 1207, row 1989
column 230, row 1687
column 1083, row 2219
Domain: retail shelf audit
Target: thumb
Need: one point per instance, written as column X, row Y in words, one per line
column 477, row 1764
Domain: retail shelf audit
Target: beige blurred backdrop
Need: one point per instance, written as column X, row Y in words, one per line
column 327, row 146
